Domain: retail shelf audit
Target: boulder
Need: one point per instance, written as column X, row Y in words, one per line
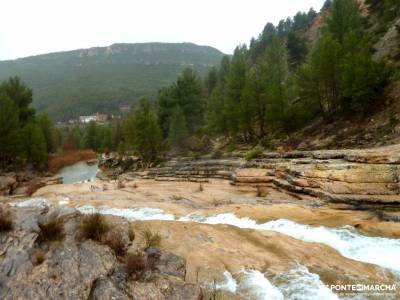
column 7, row 184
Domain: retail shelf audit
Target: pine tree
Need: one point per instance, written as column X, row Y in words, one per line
column 216, row 120
column 35, row 145
column 90, row 137
column 276, row 74
column 178, row 132
column 253, row 104
column 344, row 17
column 297, row 49
column 142, row 132
column 235, row 82
column 186, row 92
column 362, row 79
column 17, row 91
column 10, row 142
column 49, row 132
column 319, row 79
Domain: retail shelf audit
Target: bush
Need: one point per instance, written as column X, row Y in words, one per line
column 94, row 227
column 231, row 147
column 116, row 242
column 5, row 221
column 256, row 152
column 52, row 230
column 152, row 239
column 135, row 264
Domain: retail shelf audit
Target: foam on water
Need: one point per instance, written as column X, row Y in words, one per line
column 297, row 284
column 142, row 213
column 33, row 202
column 64, row 201
column 300, row 284
column 257, row 286
column 229, row 285
column 252, row 285
column 350, row 243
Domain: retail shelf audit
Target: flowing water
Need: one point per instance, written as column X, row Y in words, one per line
column 78, row 172
column 347, row 240
column 298, row 283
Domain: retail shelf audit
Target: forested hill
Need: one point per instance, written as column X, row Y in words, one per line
column 80, row 82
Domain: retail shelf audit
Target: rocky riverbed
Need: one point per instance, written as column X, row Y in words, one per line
column 282, row 226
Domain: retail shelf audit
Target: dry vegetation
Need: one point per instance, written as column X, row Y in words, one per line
column 115, row 241
column 59, row 161
column 94, row 227
column 5, row 221
column 131, row 234
column 39, row 257
column 135, row 264
column 52, row 230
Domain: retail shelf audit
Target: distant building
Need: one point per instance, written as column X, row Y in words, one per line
column 98, row 117
column 86, row 119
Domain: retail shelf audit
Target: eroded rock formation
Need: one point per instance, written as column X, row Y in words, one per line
column 357, row 177
column 79, row 269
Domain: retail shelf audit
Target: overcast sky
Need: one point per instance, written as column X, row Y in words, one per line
column 30, row 27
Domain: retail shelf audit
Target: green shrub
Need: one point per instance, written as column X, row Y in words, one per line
column 52, row 230
column 231, row 147
column 195, row 155
column 256, row 152
column 151, row 239
column 94, row 227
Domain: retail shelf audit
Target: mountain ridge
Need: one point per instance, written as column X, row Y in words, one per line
column 83, row 81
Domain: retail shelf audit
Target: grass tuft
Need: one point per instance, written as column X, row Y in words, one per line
column 152, row 239
column 94, row 227
column 52, row 230
column 116, row 242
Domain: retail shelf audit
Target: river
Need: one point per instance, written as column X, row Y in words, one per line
column 78, row 172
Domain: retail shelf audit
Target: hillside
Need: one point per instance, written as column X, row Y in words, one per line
column 79, row 82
